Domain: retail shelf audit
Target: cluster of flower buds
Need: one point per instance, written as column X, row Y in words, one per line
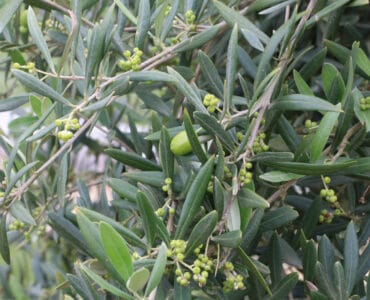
column 167, row 185
column 211, row 101
column 201, row 267
column 245, row 176
column 17, row 225
column 259, row 144
column 190, row 18
column 310, row 126
column 68, row 126
column 30, row 67
column 177, row 250
column 326, row 216
column 328, row 194
column 365, row 103
column 168, row 9
column 133, row 60
column 234, row 281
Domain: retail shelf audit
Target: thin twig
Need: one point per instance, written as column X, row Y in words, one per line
column 342, row 146
column 22, row 189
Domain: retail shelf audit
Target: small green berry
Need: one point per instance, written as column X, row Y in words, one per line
column 160, row 212
column 196, row 270
column 180, row 256
column 308, row 123
column 327, row 179
column 178, row 272
column 337, row 212
column 58, row 122
column 323, row 193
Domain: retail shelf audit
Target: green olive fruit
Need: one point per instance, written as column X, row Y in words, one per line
column 180, row 144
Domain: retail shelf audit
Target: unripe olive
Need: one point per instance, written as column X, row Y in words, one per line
column 180, row 144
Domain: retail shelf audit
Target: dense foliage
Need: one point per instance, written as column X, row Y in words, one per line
column 185, row 149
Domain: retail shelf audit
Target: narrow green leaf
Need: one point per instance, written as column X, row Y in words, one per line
column 231, row 17
column 279, row 176
column 197, row 40
column 231, row 239
column 342, row 53
column 273, row 156
column 194, row 198
column 252, row 39
column 123, row 188
column 303, row 102
column 210, row 73
column 311, row 217
column 264, row 63
column 309, row 260
column 314, row 64
column 248, row 198
column 182, row 292
column 143, row 22
column 166, row 156
column 117, row 251
column 231, row 68
column 38, row 37
column 148, row 216
column 326, row 255
column 12, row 103
column 69, row 231
column 276, row 7
column 285, row 286
column 104, row 283
column 322, row 134
column 62, row 174
column 126, row 11
column 323, row 281
column 91, row 235
column 362, row 115
column 81, row 284
column 138, row 280
column 15, row 179
column 187, row 90
column 158, row 270
column 302, row 86
column 363, row 61
column 193, row 138
column 330, row 74
column 218, row 196
column 252, row 229
column 277, row 218
column 7, row 11
column 151, row 75
column 153, row 178
column 127, row 234
column 257, row 6
column 325, row 11
column 211, row 125
column 201, row 231
column 339, row 281
column 132, row 160
column 95, row 53
column 253, row 269
column 39, row 87
column 164, row 27
column 350, row 257
column 363, row 264
column 311, row 169
column 4, row 245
